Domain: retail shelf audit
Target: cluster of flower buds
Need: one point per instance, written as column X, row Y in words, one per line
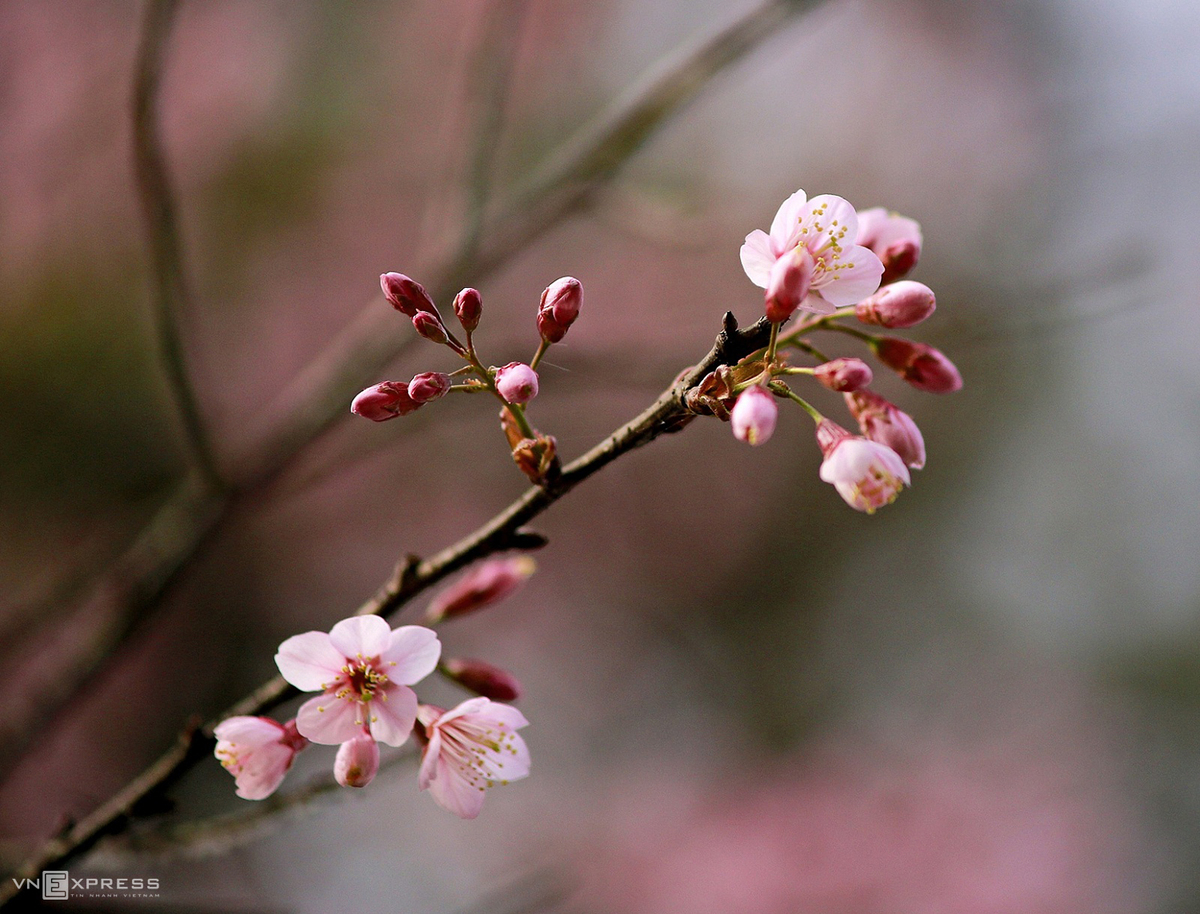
column 514, row 384
column 364, row 671
column 825, row 260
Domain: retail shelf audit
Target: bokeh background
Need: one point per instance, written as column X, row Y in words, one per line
column 744, row 696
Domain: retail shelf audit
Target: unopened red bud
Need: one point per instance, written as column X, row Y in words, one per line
column 468, row 308
column 483, row 678
column 563, row 298
column 384, row 401
column 883, row 421
column 357, row 761
column 429, row 325
column 486, row 584
column 517, row 382
column 788, row 284
column 844, row 375
column 922, row 366
column 901, row 304
column 753, row 416
column 895, row 239
column 428, row 385
column 405, row 295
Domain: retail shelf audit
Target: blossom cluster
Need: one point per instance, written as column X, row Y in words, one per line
column 828, row 261
column 514, row 384
column 364, row 670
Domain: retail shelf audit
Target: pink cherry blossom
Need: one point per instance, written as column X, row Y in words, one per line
column 470, row 748
column 867, row 475
column 826, row 229
column 258, row 752
column 363, row 669
column 753, row 416
column 517, row 382
column 487, row 583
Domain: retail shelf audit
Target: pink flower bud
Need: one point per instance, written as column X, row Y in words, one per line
column 922, row 366
column 405, row 295
column 867, row 475
column 844, row 374
column 428, row 385
column 517, row 382
column 483, row 679
column 753, row 416
column 430, row 326
column 384, row 401
column 901, row 304
column 788, row 284
column 550, row 329
column 895, row 239
column 488, row 583
column 357, row 761
column 468, row 308
column 563, row 298
column 882, row 421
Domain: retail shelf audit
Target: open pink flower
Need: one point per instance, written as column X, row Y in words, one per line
column 363, row 668
column 824, row 228
column 867, row 474
column 471, row 747
column 258, row 752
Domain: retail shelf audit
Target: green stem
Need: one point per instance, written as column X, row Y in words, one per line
column 541, row 351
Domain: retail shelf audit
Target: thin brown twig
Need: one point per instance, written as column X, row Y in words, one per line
column 504, row 531
column 169, row 278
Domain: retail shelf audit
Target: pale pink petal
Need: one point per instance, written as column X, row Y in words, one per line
column 814, row 303
column 506, row 715
column 310, row 662
column 429, row 761
column 786, row 225
column 330, row 720
column 454, row 793
column 757, row 258
column 391, row 714
column 470, row 706
column 361, row 636
column 249, row 731
column 871, row 223
column 837, row 219
column 264, row 771
column 411, row 654
column 856, row 276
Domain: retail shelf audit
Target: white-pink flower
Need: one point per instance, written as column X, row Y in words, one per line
column 363, row 668
column 867, row 474
column 824, row 228
column 471, row 747
column 258, row 752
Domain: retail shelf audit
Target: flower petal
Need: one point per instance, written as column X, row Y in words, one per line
column 310, row 662
column 248, row 731
column 827, row 217
column 786, row 224
column 454, row 793
column 392, row 713
column 330, row 720
column 411, row 654
column 857, row 276
column 264, row 772
column 757, row 257
column 361, row 636
column 429, row 761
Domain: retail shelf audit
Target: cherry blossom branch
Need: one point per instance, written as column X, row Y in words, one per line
column 136, row 583
column 170, row 287
column 668, row 413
